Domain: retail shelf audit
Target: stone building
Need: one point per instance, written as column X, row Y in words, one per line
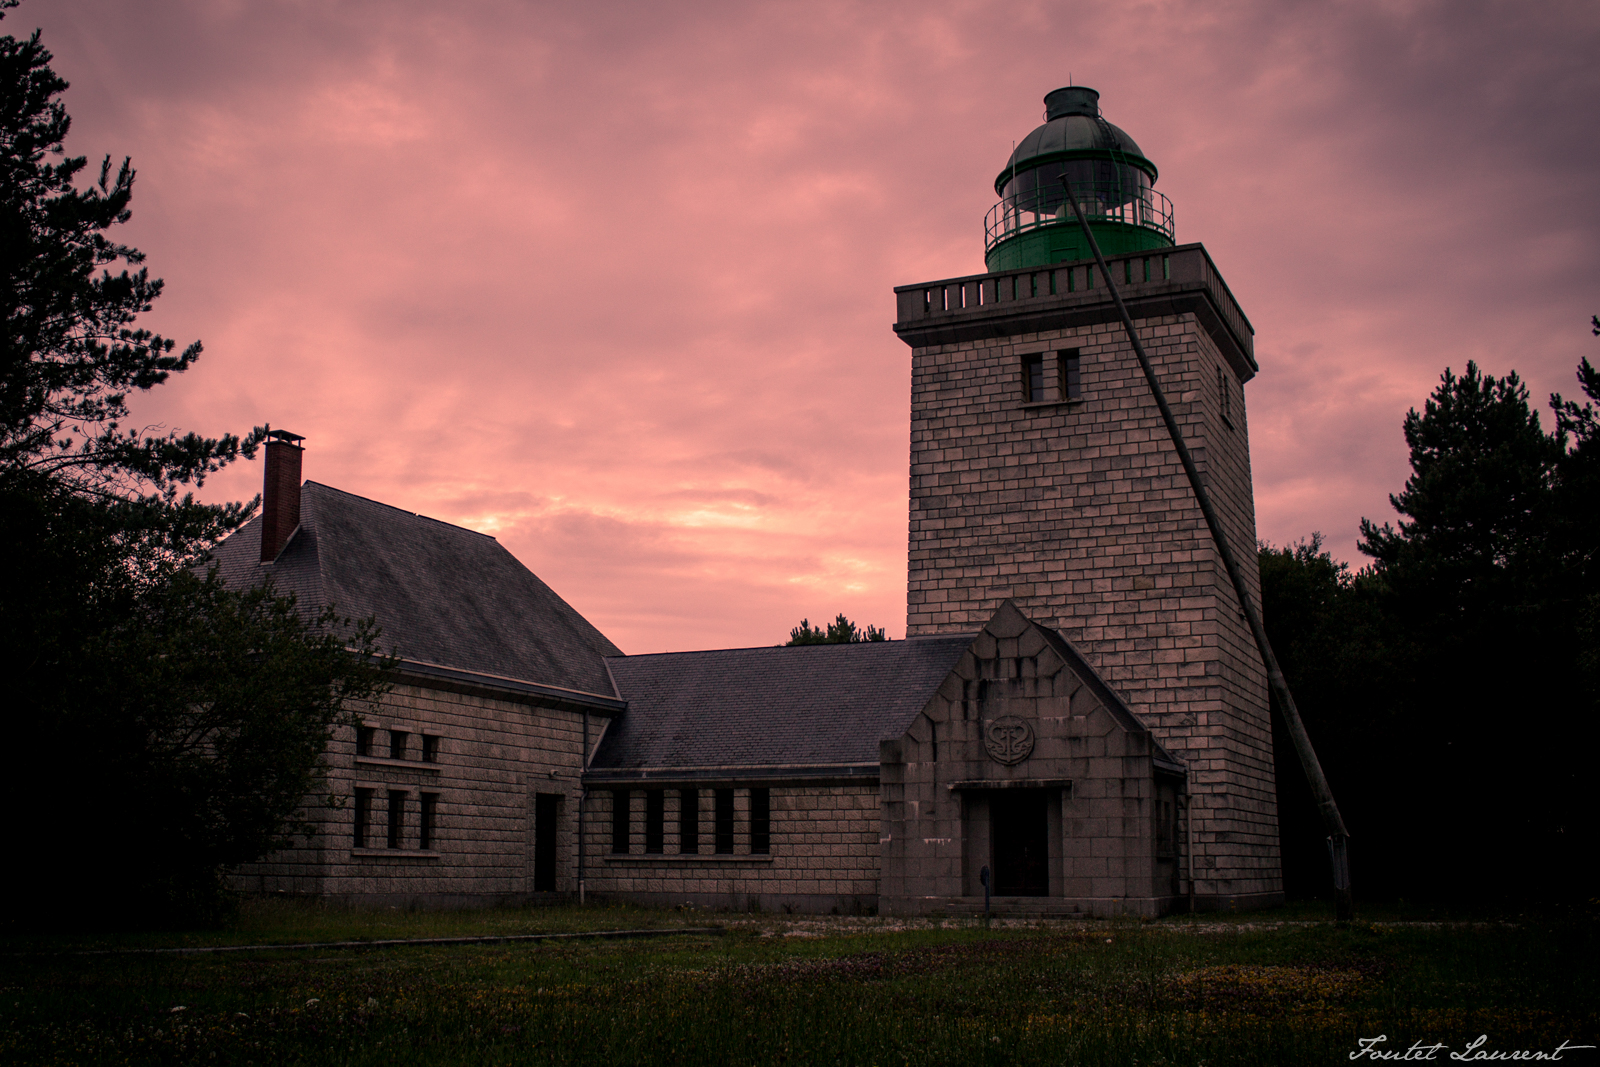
column 1077, row 715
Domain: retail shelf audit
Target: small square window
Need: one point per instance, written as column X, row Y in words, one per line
column 397, row 744
column 428, row 823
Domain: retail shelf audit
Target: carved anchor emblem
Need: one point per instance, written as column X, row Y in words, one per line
column 1008, row 739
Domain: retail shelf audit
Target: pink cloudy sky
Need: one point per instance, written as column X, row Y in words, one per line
column 612, row 281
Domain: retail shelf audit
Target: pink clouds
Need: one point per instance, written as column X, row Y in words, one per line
column 613, row 281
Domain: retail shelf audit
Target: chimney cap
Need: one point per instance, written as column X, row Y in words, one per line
column 285, row 436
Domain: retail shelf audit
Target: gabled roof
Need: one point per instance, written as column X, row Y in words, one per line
column 808, row 706
column 444, row 595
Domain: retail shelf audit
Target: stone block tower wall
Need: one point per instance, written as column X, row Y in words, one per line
column 1077, row 509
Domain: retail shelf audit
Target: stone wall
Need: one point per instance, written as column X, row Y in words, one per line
column 494, row 755
column 1091, row 763
column 1078, row 510
column 823, row 858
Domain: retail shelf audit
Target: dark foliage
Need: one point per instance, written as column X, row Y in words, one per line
column 840, row 631
column 1451, row 686
column 167, row 728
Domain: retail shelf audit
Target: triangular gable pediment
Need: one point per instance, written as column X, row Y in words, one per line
column 1013, row 662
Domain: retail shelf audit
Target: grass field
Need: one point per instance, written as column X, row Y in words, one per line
column 1280, row 987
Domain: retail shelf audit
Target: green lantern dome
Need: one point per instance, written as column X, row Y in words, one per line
column 1033, row 224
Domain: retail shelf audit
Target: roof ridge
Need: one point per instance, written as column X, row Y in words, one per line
column 775, row 648
column 403, row 511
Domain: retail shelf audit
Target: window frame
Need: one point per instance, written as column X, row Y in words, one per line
column 724, row 821
column 1033, row 379
column 1069, row 374
column 396, row 814
column 427, row 820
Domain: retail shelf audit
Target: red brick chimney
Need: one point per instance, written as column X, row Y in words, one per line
column 280, row 496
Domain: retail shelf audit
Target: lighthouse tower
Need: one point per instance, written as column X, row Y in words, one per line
column 1041, row 472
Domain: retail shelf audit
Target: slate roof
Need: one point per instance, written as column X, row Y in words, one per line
column 806, row 706
column 443, row 594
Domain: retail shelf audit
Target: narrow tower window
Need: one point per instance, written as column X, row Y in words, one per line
column 1225, row 395
column 1067, row 369
column 1032, row 378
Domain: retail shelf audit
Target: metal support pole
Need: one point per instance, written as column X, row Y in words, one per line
column 1338, row 837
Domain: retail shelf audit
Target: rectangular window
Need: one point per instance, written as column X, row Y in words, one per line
column 655, row 820
column 689, row 821
column 723, row 818
column 397, row 744
column 430, row 749
column 1225, row 396
column 363, row 817
column 397, row 818
column 1032, row 378
column 364, row 740
column 1067, row 370
column 428, row 823
column 760, row 821
column 619, row 822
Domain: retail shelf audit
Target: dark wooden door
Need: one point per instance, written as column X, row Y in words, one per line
column 546, row 805
column 1019, row 827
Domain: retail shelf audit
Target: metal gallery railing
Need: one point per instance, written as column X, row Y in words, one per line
column 1101, row 202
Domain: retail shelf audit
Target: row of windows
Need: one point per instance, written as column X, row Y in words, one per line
column 397, row 805
column 722, row 821
column 399, row 746
column 1068, row 381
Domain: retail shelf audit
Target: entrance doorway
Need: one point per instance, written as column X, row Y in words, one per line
column 546, row 805
column 1019, row 830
